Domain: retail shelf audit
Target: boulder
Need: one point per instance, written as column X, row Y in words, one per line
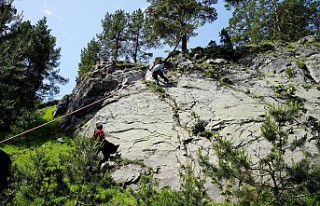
column 128, row 174
column 61, row 107
column 217, row 61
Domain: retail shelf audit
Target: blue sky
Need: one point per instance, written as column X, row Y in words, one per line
column 74, row 23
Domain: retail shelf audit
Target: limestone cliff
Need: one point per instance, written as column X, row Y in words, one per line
column 161, row 127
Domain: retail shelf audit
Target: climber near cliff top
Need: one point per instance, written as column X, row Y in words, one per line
column 107, row 148
column 158, row 70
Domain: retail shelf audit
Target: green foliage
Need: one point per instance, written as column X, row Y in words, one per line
column 58, row 174
column 315, row 16
column 269, row 178
column 82, row 172
column 255, row 21
column 38, row 181
column 176, row 21
column 286, row 92
column 138, row 36
column 147, row 190
column 248, row 17
column 290, row 73
column 8, row 17
column 88, row 57
column 300, row 63
column 113, row 36
column 199, row 125
column 124, row 35
column 224, row 50
column 308, row 86
column 136, row 33
column 247, row 49
column 128, row 65
column 157, row 89
column 226, row 81
column 293, row 24
column 47, row 113
column 192, row 192
column 28, row 59
column 207, row 134
column 126, row 161
column 211, row 72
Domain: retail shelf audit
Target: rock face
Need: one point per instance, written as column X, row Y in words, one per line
column 161, row 128
column 93, row 87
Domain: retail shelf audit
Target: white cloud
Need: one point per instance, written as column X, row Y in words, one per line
column 47, row 11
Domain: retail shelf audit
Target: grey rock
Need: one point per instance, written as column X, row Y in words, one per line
column 62, row 106
column 127, row 174
column 95, row 88
column 217, row 61
column 159, row 131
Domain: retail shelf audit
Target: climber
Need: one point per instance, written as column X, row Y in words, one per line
column 5, row 169
column 158, row 69
column 107, row 147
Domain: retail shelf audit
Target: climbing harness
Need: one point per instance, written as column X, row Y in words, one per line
column 61, row 117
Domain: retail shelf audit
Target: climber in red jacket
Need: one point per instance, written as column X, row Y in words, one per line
column 107, row 147
column 99, row 134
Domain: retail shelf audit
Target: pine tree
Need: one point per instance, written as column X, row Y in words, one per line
column 315, row 17
column 177, row 21
column 8, row 18
column 248, row 22
column 28, row 59
column 293, row 20
column 137, row 34
column 73, row 178
column 89, row 57
column 254, row 21
column 114, row 35
column 41, row 61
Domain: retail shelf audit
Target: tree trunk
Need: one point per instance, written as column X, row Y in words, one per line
column 135, row 59
column 277, row 18
column 184, row 44
column 173, row 50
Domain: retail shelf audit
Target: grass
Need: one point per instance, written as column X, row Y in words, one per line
column 157, row 89
column 47, row 113
column 309, row 86
column 300, row 62
column 129, row 65
column 21, row 148
column 290, row 73
column 264, row 74
column 126, row 161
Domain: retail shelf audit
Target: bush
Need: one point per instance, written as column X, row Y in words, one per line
column 213, row 52
column 248, row 49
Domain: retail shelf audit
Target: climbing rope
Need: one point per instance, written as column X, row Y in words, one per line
column 61, row 117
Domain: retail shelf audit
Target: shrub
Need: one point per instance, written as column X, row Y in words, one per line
column 301, row 63
column 248, row 49
column 290, row 73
